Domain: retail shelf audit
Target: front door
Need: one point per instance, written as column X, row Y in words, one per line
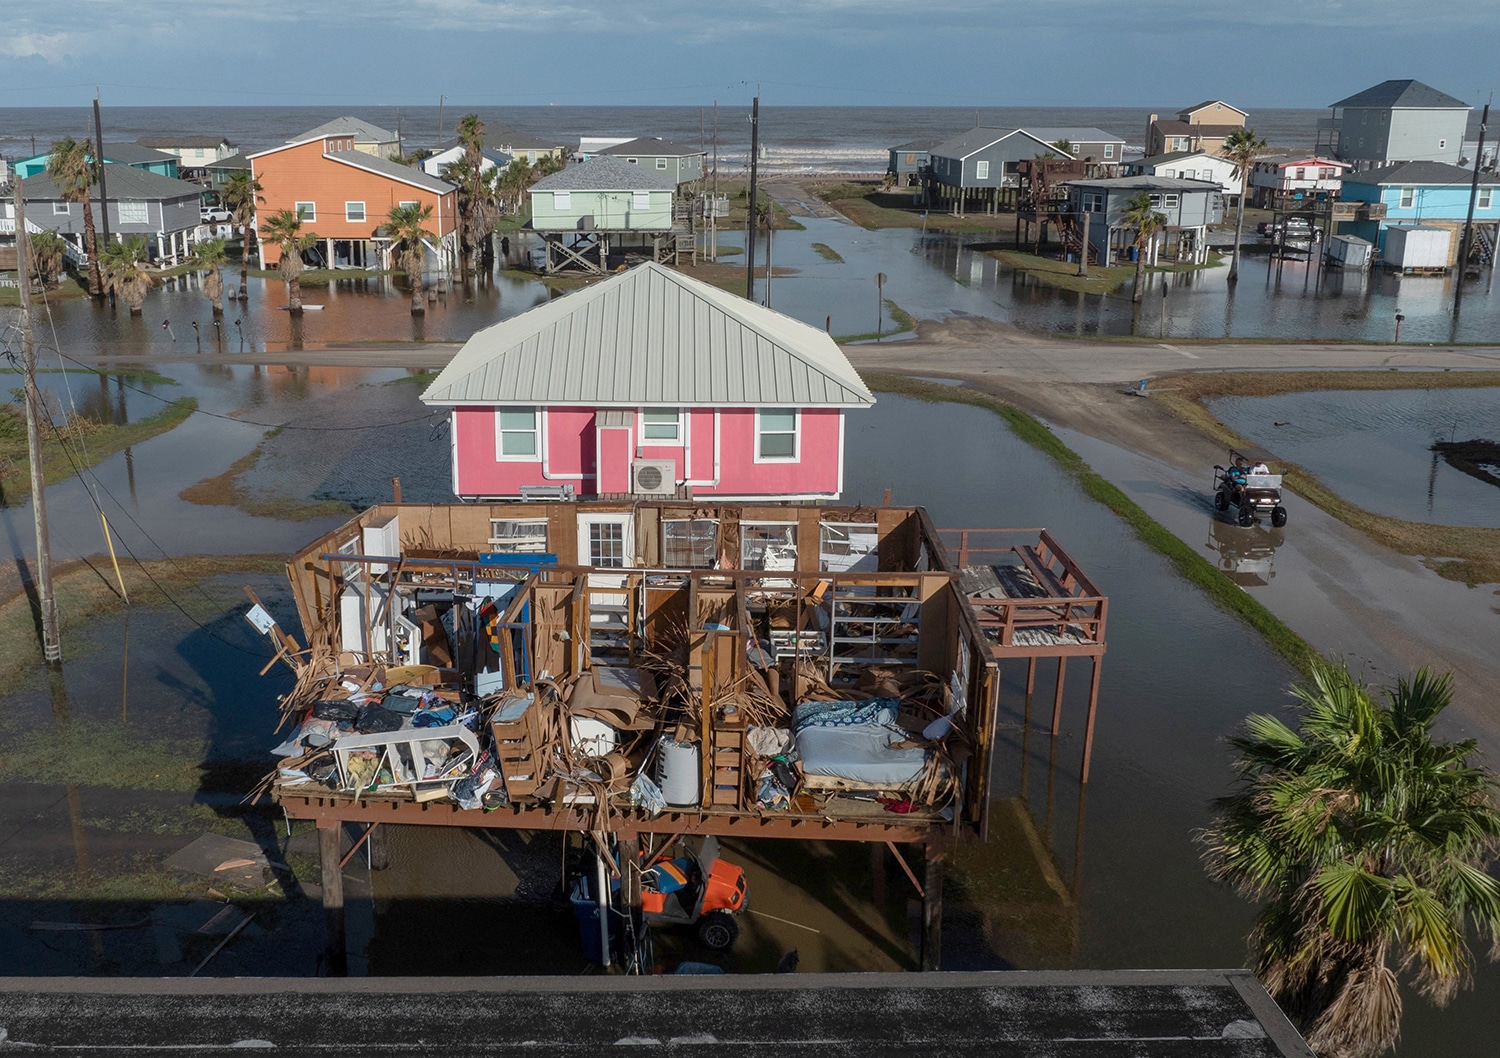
column 606, row 542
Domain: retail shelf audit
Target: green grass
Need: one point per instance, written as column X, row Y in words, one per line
column 68, row 288
column 144, row 375
column 828, row 252
column 1195, row 569
column 871, row 208
column 227, row 490
column 1062, row 274
column 901, row 322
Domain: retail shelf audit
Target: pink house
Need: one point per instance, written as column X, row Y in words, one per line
column 649, row 383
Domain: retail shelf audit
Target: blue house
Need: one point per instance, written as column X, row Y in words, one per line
column 132, row 154
column 1431, row 194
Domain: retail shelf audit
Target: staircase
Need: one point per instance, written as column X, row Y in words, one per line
column 726, row 764
column 1484, row 245
column 1072, row 238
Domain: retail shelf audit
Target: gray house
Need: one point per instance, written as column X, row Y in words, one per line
column 682, row 164
column 1096, row 148
column 984, row 158
column 163, row 210
column 1189, row 206
column 1395, row 121
column 909, row 160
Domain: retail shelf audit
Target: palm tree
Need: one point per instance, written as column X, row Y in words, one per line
column 1242, row 148
column 209, row 256
column 71, row 167
column 1140, row 216
column 1063, row 147
column 284, row 231
column 407, row 229
column 47, row 256
column 241, row 194
column 123, row 266
column 1370, row 841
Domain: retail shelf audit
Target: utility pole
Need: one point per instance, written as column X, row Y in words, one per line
column 750, row 230
column 99, row 161
column 440, row 117
column 51, row 644
column 1463, row 252
column 713, row 213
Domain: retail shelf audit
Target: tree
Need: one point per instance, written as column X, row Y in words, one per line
column 1140, row 216
column 1369, row 840
column 72, row 168
column 1242, row 148
column 124, row 275
column 284, row 231
column 408, row 230
column 476, row 207
column 1063, row 147
column 209, row 257
column 242, row 194
column 47, row 256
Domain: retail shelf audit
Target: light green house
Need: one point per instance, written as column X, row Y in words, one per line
column 604, row 195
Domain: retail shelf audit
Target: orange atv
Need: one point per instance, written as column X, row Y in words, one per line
column 695, row 887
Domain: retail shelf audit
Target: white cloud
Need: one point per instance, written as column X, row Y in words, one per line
column 49, row 46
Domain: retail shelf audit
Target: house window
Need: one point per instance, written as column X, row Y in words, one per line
column 911, row 159
column 1093, row 201
column 1109, row 150
column 1156, row 200
column 517, row 434
column 354, row 212
column 981, row 170
column 1442, row 144
column 1172, row 172
column 633, row 161
column 1169, row 200
column 134, row 213
column 607, row 544
column 775, row 435
column 1485, row 194
column 307, row 211
column 662, row 426
column 1301, row 174
column 689, row 543
column 845, row 546
column 562, row 200
column 518, row 536
column 197, row 152
column 59, row 209
column 404, row 205
column 1408, row 196
column 661, row 163
column 1179, row 143
column 768, row 545
column 640, row 200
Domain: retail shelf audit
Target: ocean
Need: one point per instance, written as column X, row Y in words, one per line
column 795, row 139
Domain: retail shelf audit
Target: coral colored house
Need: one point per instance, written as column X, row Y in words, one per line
column 650, row 383
column 344, row 197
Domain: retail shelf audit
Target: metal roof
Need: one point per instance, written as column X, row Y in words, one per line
column 135, row 154
column 1178, row 128
column 1211, row 102
column 511, row 140
column 1406, row 93
column 1147, row 183
column 1439, row 173
column 122, row 182
column 926, row 143
column 192, row 140
column 238, row 160
column 362, row 131
column 651, row 336
column 977, row 139
column 1086, row 134
column 1177, row 156
column 652, row 147
column 605, row 174
column 394, row 170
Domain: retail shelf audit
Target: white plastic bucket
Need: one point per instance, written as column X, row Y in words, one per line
column 678, row 772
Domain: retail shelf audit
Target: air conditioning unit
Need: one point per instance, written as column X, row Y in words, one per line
column 653, row 477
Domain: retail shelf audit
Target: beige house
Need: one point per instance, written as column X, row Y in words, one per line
column 1200, row 128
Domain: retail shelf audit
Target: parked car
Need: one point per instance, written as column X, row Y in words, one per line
column 213, row 215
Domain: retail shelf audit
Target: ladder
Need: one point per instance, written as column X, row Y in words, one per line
column 872, row 626
column 726, row 764
column 517, row 734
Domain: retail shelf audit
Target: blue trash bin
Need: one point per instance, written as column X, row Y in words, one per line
column 1134, row 253
column 586, row 912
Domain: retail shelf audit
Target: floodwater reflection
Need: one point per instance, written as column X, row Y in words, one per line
column 1246, row 555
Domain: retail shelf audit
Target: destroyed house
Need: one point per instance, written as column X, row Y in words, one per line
column 763, row 670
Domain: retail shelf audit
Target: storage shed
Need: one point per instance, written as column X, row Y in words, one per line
column 1349, row 251
column 1417, row 248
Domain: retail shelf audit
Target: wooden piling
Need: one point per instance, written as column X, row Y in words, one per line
column 1088, row 731
column 335, row 953
column 1062, row 669
column 932, row 908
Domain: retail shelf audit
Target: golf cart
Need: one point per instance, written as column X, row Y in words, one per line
column 1253, row 496
column 695, row 887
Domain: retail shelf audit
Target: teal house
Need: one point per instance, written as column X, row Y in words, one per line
column 1432, row 194
column 603, row 194
column 132, row 154
column 682, row 164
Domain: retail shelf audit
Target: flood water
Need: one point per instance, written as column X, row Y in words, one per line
column 1129, row 890
column 1375, row 447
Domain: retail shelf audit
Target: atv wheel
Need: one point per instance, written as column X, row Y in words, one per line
column 1247, row 516
column 718, row 930
column 1221, row 502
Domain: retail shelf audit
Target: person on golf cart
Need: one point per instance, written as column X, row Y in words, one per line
column 1260, row 467
column 1236, row 476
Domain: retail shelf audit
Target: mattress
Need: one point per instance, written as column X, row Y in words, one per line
column 852, row 741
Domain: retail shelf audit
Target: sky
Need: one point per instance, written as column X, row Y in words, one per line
column 1147, row 53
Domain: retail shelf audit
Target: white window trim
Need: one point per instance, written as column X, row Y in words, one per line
column 784, row 529
column 538, row 431
column 796, row 456
column 62, row 209
column 640, row 200
column 127, row 212
column 981, row 170
column 1169, row 200
column 1486, row 197
column 1406, row 198
column 310, row 213
column 661, row 163
column 1109, row 150
column 413, row 202
column 518, row 544
column 363, row 213
column 657, row 442
column 562, row 200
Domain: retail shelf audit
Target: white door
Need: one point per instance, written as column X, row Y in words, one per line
column 607, row 542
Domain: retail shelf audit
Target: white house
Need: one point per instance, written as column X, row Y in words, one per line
column 433, row 164
column 1302, row 177
column 1191, row 165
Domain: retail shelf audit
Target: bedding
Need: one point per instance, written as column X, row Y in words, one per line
column 853, row 741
